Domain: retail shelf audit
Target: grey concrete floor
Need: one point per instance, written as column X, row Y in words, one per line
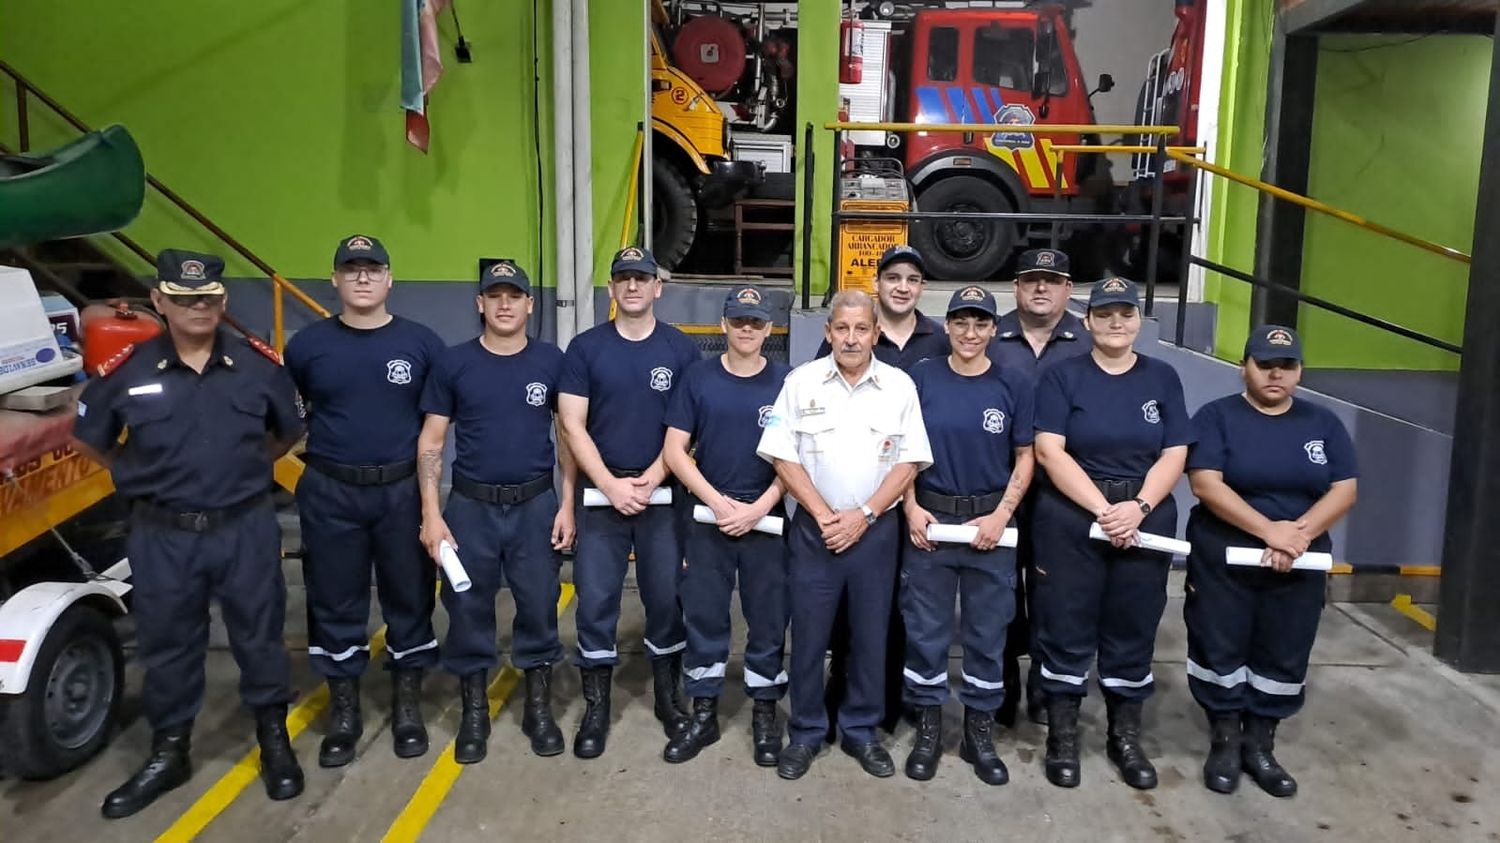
column 1392, row 746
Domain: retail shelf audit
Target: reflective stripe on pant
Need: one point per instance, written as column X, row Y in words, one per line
column 1093, row 598
column 984, row 585
column 175, row 574
column 346, row 531
column 818, row 578
column 605, row 540
column 510, row 543
column 713, row 559
column 1250, row 630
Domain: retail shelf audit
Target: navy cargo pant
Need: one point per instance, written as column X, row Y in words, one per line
column 512, row 542
column 818, row 579
column 347, row 531
column 1019, row 639
column 714, row 560
column 605, row 540
column 1092, row 598
column 175, row 573
column 983, row 583
column 1250, row 630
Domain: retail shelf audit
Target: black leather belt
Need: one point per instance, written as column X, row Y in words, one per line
column 363, row 475
column 519, row 493
column 625, row 472
column 955, row 505
column 1117, row 491
column 194, row 522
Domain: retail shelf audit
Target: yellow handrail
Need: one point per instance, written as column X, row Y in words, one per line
column 1324, row 208
column 1105, row 149
column 278, row 316
column 1008, row 128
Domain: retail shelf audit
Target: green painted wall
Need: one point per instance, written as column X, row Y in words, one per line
column 1396, row 139
column 817, row 103
column 617, row 72
column 280, row 119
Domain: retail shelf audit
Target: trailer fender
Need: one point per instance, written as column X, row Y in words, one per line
column 26, row 618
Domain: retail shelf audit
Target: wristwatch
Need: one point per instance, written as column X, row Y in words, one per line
column 870, row 516
column 1145, row 507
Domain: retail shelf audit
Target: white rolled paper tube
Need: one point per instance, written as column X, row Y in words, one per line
column 458, row 578
column 594, row 497
column 769, row 524
column 1252, row 555
column 1150, row 541
column 965, row 533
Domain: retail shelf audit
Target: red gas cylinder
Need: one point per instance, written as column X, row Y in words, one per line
column 107, row 328
column 710, row 50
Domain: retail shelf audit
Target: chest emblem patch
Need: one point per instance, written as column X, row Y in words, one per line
column 661, row 379
column 398, row 371
column 994, row 421
column 1315, row 452
column 536, row 394
column 1151, row 412
column 764, row 416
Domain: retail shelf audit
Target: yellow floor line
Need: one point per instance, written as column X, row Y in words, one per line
column 1403, row 604
column 247, row 769
column 441, row 778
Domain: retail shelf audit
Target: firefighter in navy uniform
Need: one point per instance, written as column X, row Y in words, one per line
column 1112, row 436
column 713, row 428
column 206, row 415
column 360, row 375
column 1276, row 473
column 979, row 423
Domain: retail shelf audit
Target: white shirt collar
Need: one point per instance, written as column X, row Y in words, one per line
column 870, row 375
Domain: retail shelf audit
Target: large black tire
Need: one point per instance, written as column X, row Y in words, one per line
column 674, row 214
column 71, row 700
column 964, row 250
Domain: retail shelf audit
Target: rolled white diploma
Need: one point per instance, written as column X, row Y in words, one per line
column 1150, row 541
column 769, row 524
column 594, row 497
column 965, row 533
column 1252, row 556
column 458, row 578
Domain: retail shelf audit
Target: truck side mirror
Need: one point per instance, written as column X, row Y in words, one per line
column 1106, row 83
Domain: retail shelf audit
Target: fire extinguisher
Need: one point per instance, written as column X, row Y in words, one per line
column 851, row 52
column 846, row 145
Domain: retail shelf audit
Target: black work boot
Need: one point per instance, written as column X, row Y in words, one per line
column 1221, row 772
column 408, row 733
column 978, row 748
column 765, row 731
column 1256, row 757
column 922, row 761
column 666, row 685
column 536, row 721
column 167, row 767
column 1124, row 744
column 702, row 730
column 1062, row 741
column 472, row 743
column 278, row 766
column 1036, row 698
column 593, row 730
column 344, row 723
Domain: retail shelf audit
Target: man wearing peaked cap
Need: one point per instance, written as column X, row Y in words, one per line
column 206, row 415
column 360, row 374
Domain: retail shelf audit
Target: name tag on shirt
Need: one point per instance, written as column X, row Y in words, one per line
column 145, row 389
column 812, row 409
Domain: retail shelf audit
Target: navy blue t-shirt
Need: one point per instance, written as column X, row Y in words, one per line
column 628, row 384
column 1281, row 465
column 928, row 339
column 975, row 423
column 502, row 406
column 1116, row 425
column 362, row 388
column 724, row 414
column 1011, row 348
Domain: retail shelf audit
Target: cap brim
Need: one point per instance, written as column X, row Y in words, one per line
column 953, row 311
column 491, row 283
column 634, row 266
column 1046, row 270
column 747, row 313
column 1106, row 301
column 1271, row 357
column 884, row 265
column 213, row 288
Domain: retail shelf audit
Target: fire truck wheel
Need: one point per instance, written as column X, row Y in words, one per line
column 674, row 214
column 71, row 701
column 964, row 250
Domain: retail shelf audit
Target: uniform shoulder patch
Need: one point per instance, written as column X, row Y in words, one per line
column 259, row 345
column 113, row 363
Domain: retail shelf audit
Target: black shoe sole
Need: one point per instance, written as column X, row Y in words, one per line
column 1221, row 785
column 768, row 761
column 548, row 751
column 471, row 758
column 410, row 751
column 696, row 748
column 882, row 773
column 968, row 758
column 1069, row 780
column 587, row 753
column 920, row 775
column 291, row 791
column 130, row 811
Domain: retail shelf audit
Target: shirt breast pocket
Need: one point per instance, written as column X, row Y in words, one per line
column 140, row 413
column 815, row 435
column 249, row 414
column 887, row 441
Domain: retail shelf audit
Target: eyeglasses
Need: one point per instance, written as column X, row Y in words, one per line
column 190, row 301
column 352, row 273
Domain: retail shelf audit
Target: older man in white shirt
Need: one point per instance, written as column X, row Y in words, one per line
column 846, row 437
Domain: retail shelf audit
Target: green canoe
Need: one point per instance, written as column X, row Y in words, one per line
column 93, row 185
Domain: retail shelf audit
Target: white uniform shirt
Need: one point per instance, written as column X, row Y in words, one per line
column 847, row 438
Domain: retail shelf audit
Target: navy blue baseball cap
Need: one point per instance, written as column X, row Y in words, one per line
column 1114, row 290
column 633, row 259
column 1043, row 260
column 746, row 302
column 183, row 273
column 504, row 272
column 1273, row 342
column 359, row 247
column 901, row 254
column 973, row 297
